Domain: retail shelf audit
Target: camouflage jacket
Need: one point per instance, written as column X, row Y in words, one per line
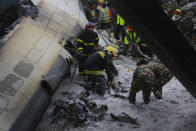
column 154, row 73
column 145, row 74
column 161, row 72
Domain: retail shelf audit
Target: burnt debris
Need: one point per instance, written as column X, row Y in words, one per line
column 67, row 112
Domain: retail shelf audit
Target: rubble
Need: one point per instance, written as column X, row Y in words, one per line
column 75, row 112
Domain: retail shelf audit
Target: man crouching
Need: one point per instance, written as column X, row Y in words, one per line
column 149, row 76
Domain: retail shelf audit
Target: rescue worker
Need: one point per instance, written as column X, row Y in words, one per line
column 91, row 11
column 139, row 49
column 127, row 41
column 134, row 37
column 149, row 76
column 105, row 17
column 177, row 17
column 94, row 66
column 133, row 44
column 87, row 43
column 119, row 27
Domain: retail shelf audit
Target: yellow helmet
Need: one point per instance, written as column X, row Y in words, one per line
column 178, row 10
column 111, row 49
column 101, row 1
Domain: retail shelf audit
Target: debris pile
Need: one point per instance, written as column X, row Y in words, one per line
column 75, row 112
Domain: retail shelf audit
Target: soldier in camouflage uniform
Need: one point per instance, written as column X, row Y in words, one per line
column 150, row 76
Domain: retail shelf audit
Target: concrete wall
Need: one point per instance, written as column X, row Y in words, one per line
column 30, row 50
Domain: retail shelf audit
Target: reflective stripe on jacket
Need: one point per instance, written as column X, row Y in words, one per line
column 101, row 54
column 120, row 20
column 143, row 44
column 87, row 41
column 135, row 38
column 132, row 37
column 89, row 72
column 86, row 44
column 127, row 40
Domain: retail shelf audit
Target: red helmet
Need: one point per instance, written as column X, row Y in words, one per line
column 170, row 11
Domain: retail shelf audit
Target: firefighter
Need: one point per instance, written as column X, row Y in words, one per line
column 94, row 66
column 87, row 43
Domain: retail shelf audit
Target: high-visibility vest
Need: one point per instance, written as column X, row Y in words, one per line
column 92, row 13
column 133, row 37
column 126, row 41
column 106, row 16
column 120, row 20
